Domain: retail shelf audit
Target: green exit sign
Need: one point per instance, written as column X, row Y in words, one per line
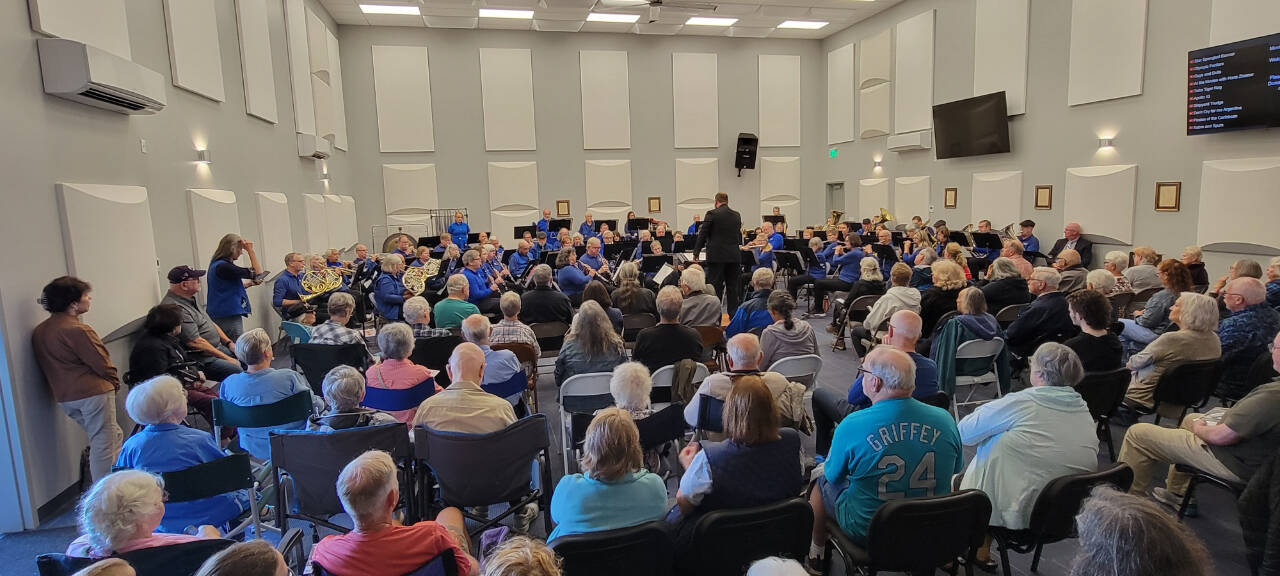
column 832, row 153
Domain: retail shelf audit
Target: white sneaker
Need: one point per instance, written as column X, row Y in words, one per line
column 525, row 516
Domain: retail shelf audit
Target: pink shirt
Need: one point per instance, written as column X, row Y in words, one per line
column 1024, row 267
column 391, row 551
column 395, row 374
column 80, row 547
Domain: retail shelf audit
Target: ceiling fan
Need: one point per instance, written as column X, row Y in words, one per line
column 655, row 7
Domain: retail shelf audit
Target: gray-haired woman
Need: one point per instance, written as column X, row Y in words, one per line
column 1125, row 535
column 344, row 389
column 591, row 345
column 121, row 513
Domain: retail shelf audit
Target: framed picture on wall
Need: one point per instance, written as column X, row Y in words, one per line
column 949, row 197
column 1168, row 196
column 655, row 204
column 1044, row 197
column 562, row 208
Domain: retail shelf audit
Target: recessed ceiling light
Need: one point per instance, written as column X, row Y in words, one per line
column 705, row 21
column 390, row 9
column 609, row 17
column 516, row 14
column 803, row 24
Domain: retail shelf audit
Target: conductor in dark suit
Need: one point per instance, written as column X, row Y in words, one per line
column 721, row 233
column 1073, row 241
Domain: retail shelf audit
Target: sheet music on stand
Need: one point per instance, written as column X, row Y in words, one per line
column 662, row 273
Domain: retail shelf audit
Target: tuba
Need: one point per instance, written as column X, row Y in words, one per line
column 832, row 222
column 1008, row 233
column 415, row 278
column 319, row 282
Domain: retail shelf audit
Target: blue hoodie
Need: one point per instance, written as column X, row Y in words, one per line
column 751, row 314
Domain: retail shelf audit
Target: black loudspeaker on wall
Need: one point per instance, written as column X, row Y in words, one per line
column 745, row 159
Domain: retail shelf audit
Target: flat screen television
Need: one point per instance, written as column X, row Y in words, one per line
column 1234, row 86
column 971, row 127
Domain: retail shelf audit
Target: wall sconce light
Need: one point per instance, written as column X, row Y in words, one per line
column 324, row 174
column 1106, row 143
column 875, row 164
column 203, row 156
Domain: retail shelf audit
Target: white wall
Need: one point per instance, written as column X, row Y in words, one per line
column 49, row 140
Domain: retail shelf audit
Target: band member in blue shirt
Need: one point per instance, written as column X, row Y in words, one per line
column 288, row 289
column 593, row 258
column 545, row 223
column 522, row 259
column 588, row 227
column 483, row 290
column 572, row 276
column 459, row 229
column 693, row 228
column 1029, row 242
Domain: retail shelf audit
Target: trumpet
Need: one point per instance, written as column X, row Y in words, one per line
column 319, row 282
column 415, row 279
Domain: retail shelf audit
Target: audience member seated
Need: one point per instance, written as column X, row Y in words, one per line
column 1028, row 438
column 1124, row 535
column 1115, row 263
column 1153, row 320
column 1273, row 283
column 1196, row 316
column 158, row 352
column 417, row 314
column 1072, row 240
column 922, row 271
column 596, row 292
column 262, row 384
column 395, row 371
column 335, row 331
column 1005, row 285
column 754, row 312
column 304, row 314
column 1045, row 319
column 1245, row 333
column 165, row 445
column 670, row 341
column 1099, row 350
column 831, row 406
column 1143, row 275
column 700, row 307
column 121, row 513
column 204, row 340
column 1233, row 448
column 1242, row 268
column 899, row 296
column 852, row 483
column 510, row 330
column 1072, row 273
column 379, row 545
column 1013, row 250
column 465, row 407
column 1191, row 257
column 591, row 345
column 776, row 566
column 451, row 310
column 499, row 365
column 744, row 360
column 543, row 303
column 948, row 281
column 522, row 556
column 952, row 252
column 613, row 490
column 972, row 322
column 388, row 288
column 870, row 283
column 630, row 387
column 630, row 296
column 252, row 558
column 784, row 337
column 758, row 463
column 344, row 389
column 1100, row 280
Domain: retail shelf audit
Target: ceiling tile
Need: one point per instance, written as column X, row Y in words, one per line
column 455, row 11
column 658, row 29
column 704, row 31
column 433, row 3
column 568, row 3
column 350, row 20
column 560, row 14
column 394, row 20
column 832, row 14
column 735, row 9
column 451, row 22
column 618, row 27
column 557, row 25
column 521, row 4
column 784, row 11
column 748, row 32
column 505, row 24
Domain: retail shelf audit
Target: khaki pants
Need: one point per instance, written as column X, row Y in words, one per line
column 1148, row 447
column 97, row 415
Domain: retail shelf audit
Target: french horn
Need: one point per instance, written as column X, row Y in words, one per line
column 415, row 278
column 319, row 282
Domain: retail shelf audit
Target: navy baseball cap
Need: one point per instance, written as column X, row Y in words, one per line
column 180, row 274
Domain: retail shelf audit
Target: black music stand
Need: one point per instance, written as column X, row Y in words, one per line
column 958, row 238
column 794, row 244
column 429, row 241
column 788, row 260
column 580, row 250
column 554, row 226
column 473, row 238
column 666, row 241
column 506, row 256
column 518, row 232
column 611, row 251
column 810, row 259
column 989, row 241
column 549, row 257
column 867, row 239
column 885, row 253
column 697, row 227
column 898, row 238
column 651, row 263
column 1032, row 256
column 613, row 225
column 680, row 246
column 749, row 259
column 749, row 235
column 820, row 234
column 637, row 224
column 775, row 220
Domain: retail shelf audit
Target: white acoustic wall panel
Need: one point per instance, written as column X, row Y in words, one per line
column 99, row 224
column 322, row 96
column 840, row 91
column 1089, row 187
column 402, row 89
column 506, row 82
column 913, row 74
column 194, row 54
column 337, row 101
column 102, row 23
column 1000, row 50
column 275, row 242
column 697, row 182
column 295, row 26
column 213, row 215
column 996, row 196
column 780, row 184
column 1228, row 185
column 1236, row 20
column 255, row 59
column 874, row 59
column 334, row 220
column 873, row 194
column 874, row 109
column 317, row 232
column 408, row 221
column 318, row 45
column 409, row 188
column 606, row 101
column 347, row 226
column 1108, row 48
column 513, row 196
column 779, row 82
column 608, row 189
column 695, row 94
column 911, row 198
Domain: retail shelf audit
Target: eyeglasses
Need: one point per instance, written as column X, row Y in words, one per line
column 1225, row 294
column 862, row 370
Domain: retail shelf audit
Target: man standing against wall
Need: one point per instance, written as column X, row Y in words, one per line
column 721, row 233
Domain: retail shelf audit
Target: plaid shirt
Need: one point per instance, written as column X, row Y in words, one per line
column 425, row 331
column 332, row 333
column 508, row 331
column 1244, row 335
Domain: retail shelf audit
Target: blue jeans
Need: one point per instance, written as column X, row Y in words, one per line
column 218, row 369
column 1135, row 336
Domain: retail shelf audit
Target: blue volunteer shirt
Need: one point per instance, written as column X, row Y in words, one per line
column 288, row 286
column 897, row 448
column 542, row 224
column 1030, row 243
column 160, row 448
column 849, row 264
column 593, row 262
column 458, row 232
column 519, row 262
column 479, row 285
column 258, row 388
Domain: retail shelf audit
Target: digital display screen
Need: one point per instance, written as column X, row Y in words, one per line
column 1234, row 86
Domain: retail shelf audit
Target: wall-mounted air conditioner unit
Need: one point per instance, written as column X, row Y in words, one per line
column 922, row 140
column 80, row 72
column 312, row 146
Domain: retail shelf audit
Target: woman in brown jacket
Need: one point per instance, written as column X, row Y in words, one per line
column 1197, row 317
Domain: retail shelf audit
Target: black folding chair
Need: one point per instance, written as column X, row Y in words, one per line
column 172, row 560
column 215, row 477
column 643, row 550
column 316, row 360
column 916, row 535
column 1009, row 313
column 434, row 354
column 632, row 324
column 529, row 360
column 1139, row 302
column 1198, row 477
column 1185, row 384
column 939, row 399
column 450, row 461
column 550, row 336
column 1103, row 392
column 710, row 414
column 306, row 465
column 1119, row 303
column 1260, row 372
column 662, row 426
column 1053, row 517
column 855, row 311
column 278, row 413
column 725, row 542
column 444, row 564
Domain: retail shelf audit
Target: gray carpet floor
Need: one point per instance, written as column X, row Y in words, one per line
column 1217, row 525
